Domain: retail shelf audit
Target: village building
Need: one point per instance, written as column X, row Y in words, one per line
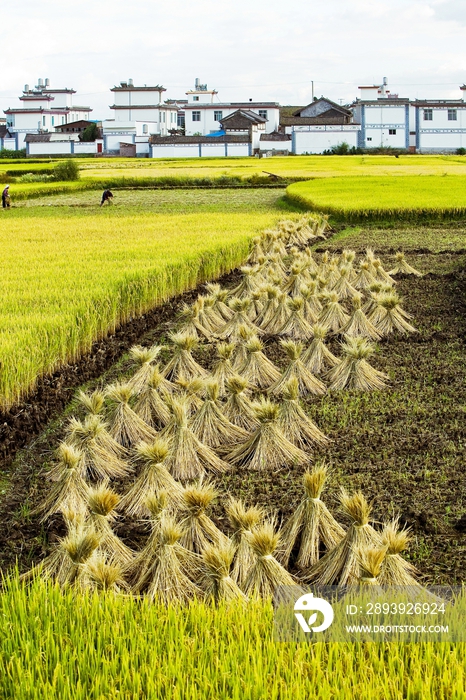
column 319, row 126
column 43, row 108
column 439, row 125
column 139, row 113
column 384, row 118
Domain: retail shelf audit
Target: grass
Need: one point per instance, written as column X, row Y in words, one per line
column 405, row 197
column 118, row 647
column 70, row 275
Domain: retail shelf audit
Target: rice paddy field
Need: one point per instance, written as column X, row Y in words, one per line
column 402, row 445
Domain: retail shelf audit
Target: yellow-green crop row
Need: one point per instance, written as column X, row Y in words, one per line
column 70, row 276
column 63, row 645
column 373, row 198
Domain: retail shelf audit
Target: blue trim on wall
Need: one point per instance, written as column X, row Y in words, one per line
column 72, row 147
column 27, row 148
column 362, row 132
column 200, row 151
column 407, row 126
column 418, row 135
column 293, row 142
column 226, row 148
column 16, row 142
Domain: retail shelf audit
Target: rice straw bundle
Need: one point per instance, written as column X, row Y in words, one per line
column 280, row 316
column 358, row 323
column 317, row 357
column 92, row 403
column 75, row 550
column 342, row 286
column 295, row 280
column 238, row 408
column 126, row 427
column 214, row 319
column 353, row 371
column 192, row 391
column 183, row 363
column 311, row 304
column 395, row 570
column 154, row 477
column 257, row 250
column 267, row 448
column 101, row 575
column 333, row 315
column 222, row 368
column 142, row 359
column 256, row 303
column 370, row 561
column 388, row 316
column 266, row 575
column 364, row 277
column 101, row 503
column 211, row 426
column 295, row 425
column 259, row 371
column 102, row 456
column 220, row 295
column 218, row 585
column 296, row 326
column 190, row 323
column 157, row 508
column 340, row 565
column 151, row 404
column 243, row 521
column 166, row 575
column 240, row 353
column 380, row 274
column 248, row 283
column 311, row 524
column 230, row 331
column 307, row 382
column 69, row 490
column 198, row 529
column 402, row 266
column 270, row 305
column 188, row 458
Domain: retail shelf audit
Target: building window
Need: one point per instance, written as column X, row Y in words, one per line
column 218, row 115
column 452, row 115
column 428, row 115
column 195, row 98
column 43, row 120
column 392, row 132
column 145, row 129
column 263, row 113
column 196, row 116
column 63, row 120
column 53, row 121
column 369, row 138
column 163, row 117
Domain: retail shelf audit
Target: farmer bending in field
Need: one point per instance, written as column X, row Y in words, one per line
column 6, row 197
column 107, row 196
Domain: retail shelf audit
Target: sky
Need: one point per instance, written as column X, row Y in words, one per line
column 267, row 50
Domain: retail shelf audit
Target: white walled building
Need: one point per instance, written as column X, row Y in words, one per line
column 384, row 118
column 439, row 125
column 319, row 126
column 139, row 113
column 43, row 108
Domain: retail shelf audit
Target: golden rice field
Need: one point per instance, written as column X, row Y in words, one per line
column 71, row 275
column 359, row 198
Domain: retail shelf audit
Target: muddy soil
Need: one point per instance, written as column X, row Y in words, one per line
column 405, row 446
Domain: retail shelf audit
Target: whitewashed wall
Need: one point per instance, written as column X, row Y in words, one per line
column 193, row 151
column 320, row 140
column 275, row 145
column 49, row 149
column 85, row 147
column 208, row 124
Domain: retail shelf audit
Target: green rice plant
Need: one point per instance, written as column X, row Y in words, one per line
column 295, row 425
column 311, row 525
column 340, row 566
column 125, row 426
column 153, row 477
column 267, row 449
column 257, row 369
column 211, row 426
column 188, row 458
column 183, row 364
column 199, row 531
column 354, row 371
column 103, row 457
column 307, row 382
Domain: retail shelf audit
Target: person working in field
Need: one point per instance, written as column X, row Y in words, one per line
column 107, row 196
column 6, row 197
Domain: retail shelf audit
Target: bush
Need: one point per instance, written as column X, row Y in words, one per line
column 342, row 149
column 35, row 177
column 6, row 153
column 66, row 170
column 461, row 151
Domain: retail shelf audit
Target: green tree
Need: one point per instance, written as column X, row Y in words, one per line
column 90, row 133
column 66, row 170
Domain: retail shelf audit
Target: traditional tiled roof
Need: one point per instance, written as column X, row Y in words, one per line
column 38, row 138
column 185, row 140
column 4, row 133
column 446, row 104
column 334, row 107
column 133, row 88
column 238, row 105
column 322, row 120
column 241, row 119
column 275, row 136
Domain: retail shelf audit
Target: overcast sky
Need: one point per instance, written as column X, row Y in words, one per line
column 260, row 49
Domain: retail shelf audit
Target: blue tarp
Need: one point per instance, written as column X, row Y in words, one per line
column 217, row 133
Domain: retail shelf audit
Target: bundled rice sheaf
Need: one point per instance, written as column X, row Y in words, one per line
column 68, row 490
column 402, row 266
column 370, row 561
column 183, row 364
column 101, row 504
column 190, row 391
column 199, row 530
column 92, row 403
column 188, row 457
column 307, row 382
column 267, row 312
column 218, row 585
column 240, row 353
column 295, row 280
column 333, row 316
column 211, row 426
column 388, row 316
column 220, row 295
column 364, row 278
column 249, row 282
column 238, row 408
column 280, row 316
column 189, row 321
column 211, row 316
column 267, row 449
column 354, row 371
column 142, row 360
column 223, row 365
column 295, row 425
column 154, row 477
column 311, row 525
column 125, row 426
column 340, row 566
column 259, row 371
column 231, row 330
column 311, row 304
column 343, row 286
column 101, row 575
column 296, row 326
column 151, row 403
column 242, row 521
column 395, row 570
column 102, row 456
column 380, row 274
column 358, row 323
column 317, row 358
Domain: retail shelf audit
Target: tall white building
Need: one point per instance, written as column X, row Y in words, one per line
column 42, row 109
